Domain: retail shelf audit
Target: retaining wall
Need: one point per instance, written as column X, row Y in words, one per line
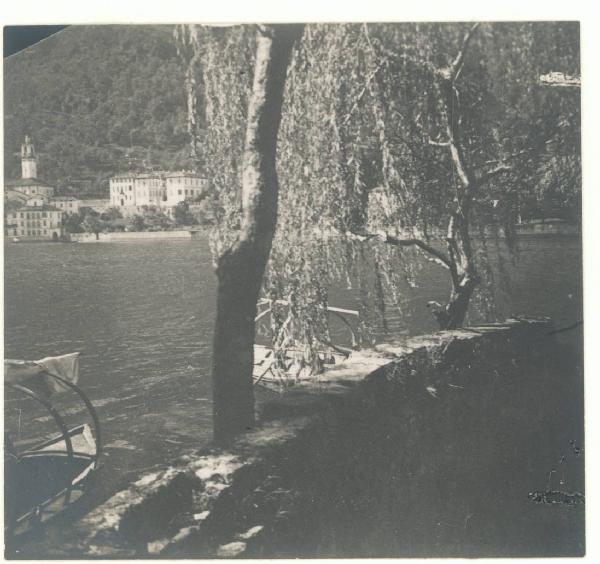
column 429, row 446
column 548, row 228
column 117, row 236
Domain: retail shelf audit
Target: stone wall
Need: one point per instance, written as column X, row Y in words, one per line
column 548, row 227
column 117, row 236
column 429, row 446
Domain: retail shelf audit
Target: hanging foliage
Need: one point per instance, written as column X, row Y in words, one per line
column 400, row 146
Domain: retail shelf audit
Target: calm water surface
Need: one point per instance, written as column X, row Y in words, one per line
column 142, row 314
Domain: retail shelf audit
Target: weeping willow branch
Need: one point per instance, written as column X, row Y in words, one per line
column 456, row 65
column 438, row 143
column 448, row 77
column 438, row 257
column 514, row 155
column 186, row 37
column 499, row 169
column 362, row 93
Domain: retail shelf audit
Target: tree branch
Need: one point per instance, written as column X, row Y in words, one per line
column 361, row 237
column 362, row 92
column 511, row 156
column 456, row 65
column 438, row 143
column 486, row 176
column 438, row 256
column 448, row 76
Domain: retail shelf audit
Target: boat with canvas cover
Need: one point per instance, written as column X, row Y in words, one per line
column 41, row 481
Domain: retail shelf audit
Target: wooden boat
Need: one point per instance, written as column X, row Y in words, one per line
column 43, row 480
column 278, row 368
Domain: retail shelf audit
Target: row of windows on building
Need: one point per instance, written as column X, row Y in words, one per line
column 156, row 181
column 30, row 232
column 190, row 192
column 45, row 190
column 142, row 190
column 33, row 223
column 180, row 192
column 188, row 181
column 29, row 215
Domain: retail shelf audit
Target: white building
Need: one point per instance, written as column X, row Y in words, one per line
column 67, row 204
column 130, row 193
column 34, row 218
column 34, row 222
column 184, row 186
column 36, row 201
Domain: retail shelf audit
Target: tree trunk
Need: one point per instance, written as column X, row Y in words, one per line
column 463, row 272
column 458, row 304
column 460, row 252
column 240, row 269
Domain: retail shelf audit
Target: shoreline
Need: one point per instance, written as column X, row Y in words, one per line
column 522, row 230
column 118, row 237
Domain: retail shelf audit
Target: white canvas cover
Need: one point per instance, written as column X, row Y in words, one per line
column 25, row 371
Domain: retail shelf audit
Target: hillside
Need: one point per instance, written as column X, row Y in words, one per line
column 96, row 99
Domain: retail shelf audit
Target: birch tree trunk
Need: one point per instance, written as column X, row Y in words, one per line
column 240, row 269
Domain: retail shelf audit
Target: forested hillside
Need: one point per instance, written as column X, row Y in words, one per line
column 97, row 100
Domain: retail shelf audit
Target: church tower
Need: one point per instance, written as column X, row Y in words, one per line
column 28, row 159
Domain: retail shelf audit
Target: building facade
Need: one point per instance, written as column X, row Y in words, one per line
column 29, row 214
column 131, row 193
column 182, row 186
column 34, row 222
column 67, row 204
column 99, row 205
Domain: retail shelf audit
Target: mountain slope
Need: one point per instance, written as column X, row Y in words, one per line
column 95, row 99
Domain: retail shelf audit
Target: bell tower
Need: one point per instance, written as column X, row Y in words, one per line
column 28, row 159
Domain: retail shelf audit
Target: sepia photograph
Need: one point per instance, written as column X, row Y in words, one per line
column 293, row 290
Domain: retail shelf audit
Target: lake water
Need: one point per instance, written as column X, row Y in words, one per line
column 142, row 316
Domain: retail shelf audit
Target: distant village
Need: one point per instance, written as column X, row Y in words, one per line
column 154, row 200
column 146, row 202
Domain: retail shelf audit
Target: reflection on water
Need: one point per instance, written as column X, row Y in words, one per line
column 142, row 315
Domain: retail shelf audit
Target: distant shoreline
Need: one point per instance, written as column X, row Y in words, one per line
column 184, row 235
column 116, row 236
